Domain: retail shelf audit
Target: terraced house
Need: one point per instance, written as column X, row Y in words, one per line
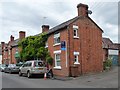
column 75, row 45
column 10, row 50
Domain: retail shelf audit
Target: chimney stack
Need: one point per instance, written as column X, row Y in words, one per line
column 2, row 45
column 11, row 38
column 21, row 35
column 82, row 10
column 45, row 28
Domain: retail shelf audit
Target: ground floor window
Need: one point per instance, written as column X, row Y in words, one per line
column 57, row 60
column 76, row 59
column 57, row 57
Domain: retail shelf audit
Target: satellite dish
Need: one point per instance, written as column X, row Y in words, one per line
column 89, row 12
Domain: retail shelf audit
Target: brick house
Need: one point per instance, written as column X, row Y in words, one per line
column 81, row 39
column 77, row 41
column 111, row 49
column 10, row 50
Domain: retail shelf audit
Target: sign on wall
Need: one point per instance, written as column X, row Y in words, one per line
column 63, row 45
column 113, row 52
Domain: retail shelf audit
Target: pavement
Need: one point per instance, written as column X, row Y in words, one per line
column 107, row 79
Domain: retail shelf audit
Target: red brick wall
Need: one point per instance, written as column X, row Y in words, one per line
column 89, row 45
column 64, row 71
column 105, row 54
column 9, row 58
column 13, row 55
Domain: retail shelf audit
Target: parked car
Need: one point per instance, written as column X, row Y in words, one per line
column 13, row 68
column 10, row 66
column 2, row 67
column 32, row 67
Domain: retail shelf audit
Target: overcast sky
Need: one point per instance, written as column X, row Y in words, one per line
column 30, row 15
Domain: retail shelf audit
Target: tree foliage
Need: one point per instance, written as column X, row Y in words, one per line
column 33, row 47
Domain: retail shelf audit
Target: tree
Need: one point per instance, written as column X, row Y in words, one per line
column 33, row 47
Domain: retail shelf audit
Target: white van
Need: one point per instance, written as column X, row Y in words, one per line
column 32, row 67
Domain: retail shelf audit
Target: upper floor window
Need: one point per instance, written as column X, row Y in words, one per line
column 16, row 49
column 9, row 52
column 4, row 52
column 75, row 31
column 56, row 38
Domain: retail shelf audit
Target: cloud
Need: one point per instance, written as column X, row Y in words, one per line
column 106, row 16
column 28, row 15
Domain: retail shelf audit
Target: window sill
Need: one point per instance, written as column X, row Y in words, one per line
column 56, row 44
column 58, row 67
column 46, row 46
column 76, row 63
column 75, row 37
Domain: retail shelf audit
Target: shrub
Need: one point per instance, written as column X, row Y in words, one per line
column 49, row 60
column 108, row 63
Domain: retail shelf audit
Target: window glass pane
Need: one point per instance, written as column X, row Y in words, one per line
column 75, row 32
column 57, row 57
column 39, row 64
column 57, row 38
column 58, row 60
column 58, row 63
column 76, row 58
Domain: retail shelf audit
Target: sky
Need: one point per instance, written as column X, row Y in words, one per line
column 30, row 15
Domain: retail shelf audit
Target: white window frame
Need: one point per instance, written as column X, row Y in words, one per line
column 77, row 59
column 75, row 28
column 9, row 51
column 56, row 53
column 56, row 36
column 4, row 52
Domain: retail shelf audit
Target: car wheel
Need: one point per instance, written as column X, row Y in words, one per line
column 20, row 74
column 29, row 74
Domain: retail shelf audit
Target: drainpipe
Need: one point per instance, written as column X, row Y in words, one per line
column 80, row 36
column 11, row 53
column 68, row 49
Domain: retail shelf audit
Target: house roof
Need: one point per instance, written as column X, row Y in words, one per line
column 65, row 24
column 108, row 44
column 115, row 46
column 62, row 25
column 15, row 42
column 107, row 41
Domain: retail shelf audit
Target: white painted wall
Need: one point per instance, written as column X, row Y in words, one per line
column 113, row 52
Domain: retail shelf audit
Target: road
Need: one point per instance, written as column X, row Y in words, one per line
column 101, row 80
column 14, row 81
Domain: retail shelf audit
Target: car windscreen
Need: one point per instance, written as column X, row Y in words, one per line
column 19, row 65
column 12, row 65
column 39, row 64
